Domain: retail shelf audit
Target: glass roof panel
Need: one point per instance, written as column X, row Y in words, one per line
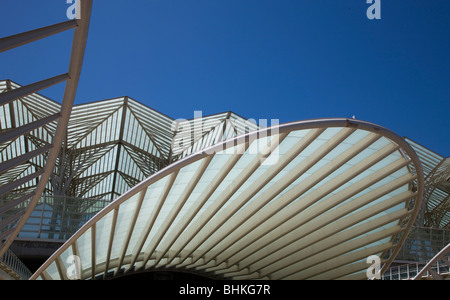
column 84, row 249
column 124, row 219
column 103, row 232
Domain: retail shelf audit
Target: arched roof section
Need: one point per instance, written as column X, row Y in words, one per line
column 304, row 200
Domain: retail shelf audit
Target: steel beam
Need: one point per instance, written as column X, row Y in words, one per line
column 21, row 39
column 32, row 88
column 11, row 134
column 14, row 203
column 16, row 183
column 432, row 262
column 9, row 164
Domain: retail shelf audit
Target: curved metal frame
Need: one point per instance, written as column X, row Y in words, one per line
column 282, row 129
column 81, row 28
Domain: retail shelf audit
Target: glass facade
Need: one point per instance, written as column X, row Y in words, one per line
column 423, row 244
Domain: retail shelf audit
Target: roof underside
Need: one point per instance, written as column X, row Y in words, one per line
column 310, row 200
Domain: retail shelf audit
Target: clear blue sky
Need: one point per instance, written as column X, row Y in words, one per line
column 270, row 59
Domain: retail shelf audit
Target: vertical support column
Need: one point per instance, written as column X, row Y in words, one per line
column 119, row 145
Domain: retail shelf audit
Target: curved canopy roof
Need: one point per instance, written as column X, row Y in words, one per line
column 304, row 200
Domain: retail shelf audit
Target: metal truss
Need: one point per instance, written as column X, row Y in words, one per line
column 435, row 211
column 432, row 267
column 32, row 132
column 110, row 146
column 114, row 144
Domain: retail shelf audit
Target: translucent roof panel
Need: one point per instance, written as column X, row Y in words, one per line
column 436, row 211
column 311, row 200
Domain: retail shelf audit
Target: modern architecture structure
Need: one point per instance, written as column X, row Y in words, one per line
column 113, row 189
column 312, row 200
column 22, row 184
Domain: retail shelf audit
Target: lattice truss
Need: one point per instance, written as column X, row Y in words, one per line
column 18, row 114
column 23, row 158
column 436, row 206
column 111, row 145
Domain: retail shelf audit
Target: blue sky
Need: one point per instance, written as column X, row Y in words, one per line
column 262, row 59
